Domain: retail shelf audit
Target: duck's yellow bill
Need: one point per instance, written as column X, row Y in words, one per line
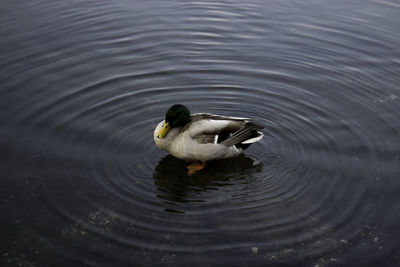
column 164, row 130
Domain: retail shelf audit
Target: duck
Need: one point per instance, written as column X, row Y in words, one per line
column 201, row 137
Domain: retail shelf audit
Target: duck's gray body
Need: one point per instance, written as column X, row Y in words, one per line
column 209, row 137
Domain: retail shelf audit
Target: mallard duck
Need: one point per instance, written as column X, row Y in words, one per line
column 201, row 137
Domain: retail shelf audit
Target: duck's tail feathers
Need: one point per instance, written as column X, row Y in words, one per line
column 255, row 139
column 242, row 138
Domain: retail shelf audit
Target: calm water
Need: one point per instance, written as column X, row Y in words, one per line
column 84, row 83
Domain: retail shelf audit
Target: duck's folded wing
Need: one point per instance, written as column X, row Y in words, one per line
column 228, row 131
column 247, row 134
column 213, row 127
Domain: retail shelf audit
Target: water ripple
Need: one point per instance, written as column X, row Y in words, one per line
column 106, row 78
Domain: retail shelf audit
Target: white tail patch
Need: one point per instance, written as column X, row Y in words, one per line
column 254, row 139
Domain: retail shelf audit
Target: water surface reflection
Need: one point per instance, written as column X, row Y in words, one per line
column 176, row 186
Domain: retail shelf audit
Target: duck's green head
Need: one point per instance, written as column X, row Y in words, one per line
column 177, row 116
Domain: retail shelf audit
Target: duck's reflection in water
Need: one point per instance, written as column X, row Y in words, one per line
column 176, row 186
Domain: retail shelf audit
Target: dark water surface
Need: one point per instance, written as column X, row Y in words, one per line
column 84, row 83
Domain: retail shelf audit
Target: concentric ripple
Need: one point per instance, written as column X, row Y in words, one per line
column 317, row 190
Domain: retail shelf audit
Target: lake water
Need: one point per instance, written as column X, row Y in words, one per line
column 84, row 83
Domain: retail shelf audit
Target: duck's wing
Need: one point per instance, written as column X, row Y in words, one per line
column 210, row 128
column 249, row 133
column 209, row 124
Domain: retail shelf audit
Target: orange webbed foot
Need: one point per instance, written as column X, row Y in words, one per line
column 195, row 166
